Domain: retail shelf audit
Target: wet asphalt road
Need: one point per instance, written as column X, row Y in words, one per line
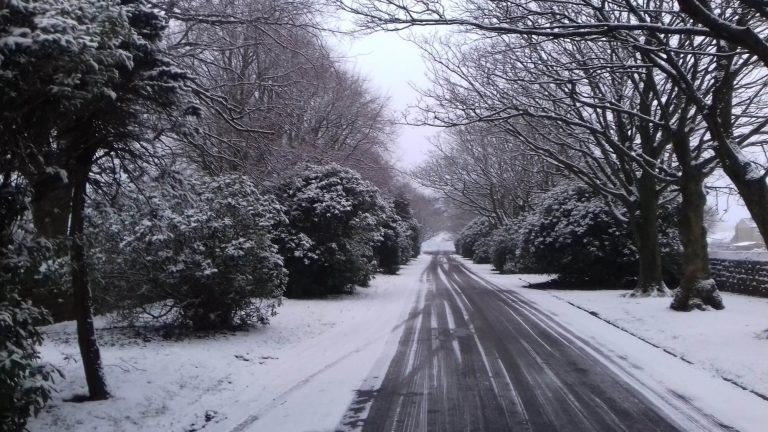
column 473, row 357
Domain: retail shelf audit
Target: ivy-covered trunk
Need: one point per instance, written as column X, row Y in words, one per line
column 12, row 208
column 50, row 204
column 645, row 227
column 86, row 333
column 697, row 288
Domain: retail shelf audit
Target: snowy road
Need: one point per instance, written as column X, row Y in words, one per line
column 445, row 345
column 474, row 357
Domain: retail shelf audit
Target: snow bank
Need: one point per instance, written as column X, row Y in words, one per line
column 442, row 242
column 732, row 343
column 297, row 374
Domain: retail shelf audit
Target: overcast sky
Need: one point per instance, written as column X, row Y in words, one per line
column 393, row 66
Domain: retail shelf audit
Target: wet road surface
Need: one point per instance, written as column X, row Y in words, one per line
column 474, row 357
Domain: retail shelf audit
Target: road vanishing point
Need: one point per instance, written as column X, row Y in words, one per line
column 475, row 357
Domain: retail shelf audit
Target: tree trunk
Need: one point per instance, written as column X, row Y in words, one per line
column 645, row 226
column 697, row 289
column 86, row 334
column 50, row 203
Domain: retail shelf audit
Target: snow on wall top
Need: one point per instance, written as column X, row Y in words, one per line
column 755, row 255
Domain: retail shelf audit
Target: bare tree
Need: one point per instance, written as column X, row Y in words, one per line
column 743, row 26
column 483, row 169
column 272, row 93
column 586, row 109
column 646, row 28
column 665, row 40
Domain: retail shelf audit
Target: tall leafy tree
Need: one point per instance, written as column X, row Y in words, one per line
column 335, row 220
column 81, row 83
column 26, row 384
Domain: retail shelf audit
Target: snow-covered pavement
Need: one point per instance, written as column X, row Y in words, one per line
column 442, row 242
column 732, row 343
column 297, row 374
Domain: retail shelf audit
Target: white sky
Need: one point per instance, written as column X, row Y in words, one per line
column 393, row 67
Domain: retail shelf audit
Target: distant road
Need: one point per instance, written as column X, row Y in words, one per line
column 477, row 358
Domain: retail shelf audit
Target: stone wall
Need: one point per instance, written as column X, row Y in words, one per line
column 741, row 276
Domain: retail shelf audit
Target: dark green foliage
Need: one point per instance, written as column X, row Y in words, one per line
column 397, row 245
column 195, row 253
column 503, row 247
column 83, row 75
column 388, row 251
column 12, row 207
column 478, row 229
column 416, row 237
column 573, row 234
column 335, row 222
column 482, row 250
column 26, row 385
column 400, row 237
column 82, row 84
column 36, row 276
column 412, row 229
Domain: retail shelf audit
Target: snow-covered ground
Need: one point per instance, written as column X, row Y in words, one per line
column 732, row 343
column 297, row 374
column 301, row 372
column 442, row 242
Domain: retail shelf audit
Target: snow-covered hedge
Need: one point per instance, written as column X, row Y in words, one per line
column 475, row 232
column 483, row 248
column 335, row 222
column 410, row 227
column 401, row 238
column 192, row 251
column 572, row 233
column 394, row 248
column 26, row 385
column 504, row 243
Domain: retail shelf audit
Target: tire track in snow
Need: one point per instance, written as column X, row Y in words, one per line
column 478, row 358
